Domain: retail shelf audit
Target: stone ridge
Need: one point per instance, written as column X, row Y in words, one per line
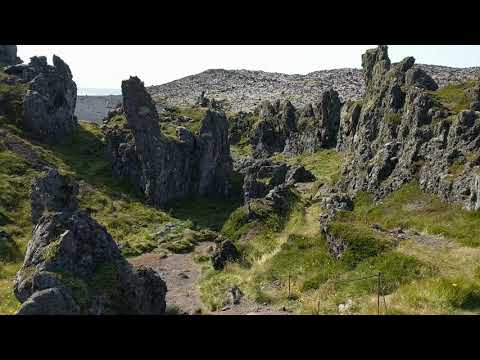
column 164, row 168
column 73, row 266
column 399, row 133
column 245, row 89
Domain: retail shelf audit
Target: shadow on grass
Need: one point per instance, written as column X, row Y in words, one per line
column 204, row 212
column 84, row 154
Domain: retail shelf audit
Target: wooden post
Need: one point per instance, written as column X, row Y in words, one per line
column 378, row 294
column 288, row 285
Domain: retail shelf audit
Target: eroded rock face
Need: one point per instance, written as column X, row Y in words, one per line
column 53, row 193
column 8, row 55
column 162, row 168
column 282, row 128
column 49, row 103
column 400, row 133
column 73, row 266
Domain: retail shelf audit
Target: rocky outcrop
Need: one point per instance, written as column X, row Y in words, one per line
column 263, row 175
column 276, row 122
column 162, row 168
column 8, row 55
column 317, row 126
column 224, row 252
column 400, row 133
column 282, row 128
column 474, row 94
column 49, row 102
column 73, row 266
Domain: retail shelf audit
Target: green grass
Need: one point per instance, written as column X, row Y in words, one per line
column 324, row 164
column 362, row 243
column 396, row 269
column 13, row 96
column 409, row 207
column 8, row 302
column 204, row 212
column 438, row 295
column 453, row 97
column 117, row 121
column 110, row 200
column 304, row 258
column 195, row 113
column 393, row 118
column 16, row 176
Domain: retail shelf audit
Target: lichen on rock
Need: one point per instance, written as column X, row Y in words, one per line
column 161, row 168
column 73, row 266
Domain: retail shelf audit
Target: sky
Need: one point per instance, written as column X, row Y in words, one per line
column 105, row 66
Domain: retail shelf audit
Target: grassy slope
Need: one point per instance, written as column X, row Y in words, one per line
column 419, row 277
column 453, row 97
column 110, row 201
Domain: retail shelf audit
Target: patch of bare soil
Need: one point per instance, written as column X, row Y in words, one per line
column 182, row 275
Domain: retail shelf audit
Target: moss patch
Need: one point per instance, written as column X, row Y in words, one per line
column 409, row 207
column 453, row 97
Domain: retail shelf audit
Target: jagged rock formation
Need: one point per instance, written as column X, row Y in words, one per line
column 164, row 168
column 8, row 55
column 270, row 182
column 281, row 128
column 73, row 266
column 203, row 101
column 474, row 94
column 399, row 132
column 50, row 99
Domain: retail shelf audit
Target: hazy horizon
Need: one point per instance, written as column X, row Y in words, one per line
column 103, row 67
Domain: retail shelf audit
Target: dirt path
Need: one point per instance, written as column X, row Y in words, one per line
column 182, row 275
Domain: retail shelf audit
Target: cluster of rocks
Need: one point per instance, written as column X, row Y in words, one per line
column 73, row 266
column 283, row 128
column 474, row 94
column 8, row 55
column 400, row 132
column 49, row 101
column 225, row 252
column 162, row 168
column 205, row 102
column 244, row 90
column 269, row 183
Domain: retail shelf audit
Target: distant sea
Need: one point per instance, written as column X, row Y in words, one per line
column 98, row 92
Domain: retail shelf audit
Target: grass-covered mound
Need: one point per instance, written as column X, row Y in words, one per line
column 193, row 116
column 453, row 96
column 410, row 208
column 276, row 246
